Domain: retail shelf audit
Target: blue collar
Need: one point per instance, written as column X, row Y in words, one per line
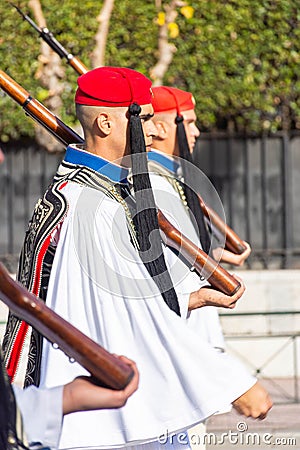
column 108, row 169
column 167, row 162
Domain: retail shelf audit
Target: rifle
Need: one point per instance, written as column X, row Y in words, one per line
column 219, row 278
column 56, row 46
column 38, row 112
column 105, row 367
column 232, row 241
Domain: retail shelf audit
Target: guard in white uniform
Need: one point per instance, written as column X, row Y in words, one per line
column 100, row 275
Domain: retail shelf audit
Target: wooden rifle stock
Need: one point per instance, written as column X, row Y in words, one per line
column 218, row 277
column 77, row 65
column 105, row 367
column 38, row 112
column 232, row 241
column 204, row 263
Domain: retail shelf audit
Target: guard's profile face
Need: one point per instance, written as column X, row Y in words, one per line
column 148, row 125
column 192, row 132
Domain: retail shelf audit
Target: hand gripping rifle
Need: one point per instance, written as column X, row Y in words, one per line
column 232, row 241
column 56, row 46
column 105, row 367
column 218, row 277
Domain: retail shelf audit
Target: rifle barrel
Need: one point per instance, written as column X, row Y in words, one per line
column 25, row 17
column 56, row 46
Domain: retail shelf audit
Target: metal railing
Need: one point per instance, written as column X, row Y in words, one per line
column 286, row 387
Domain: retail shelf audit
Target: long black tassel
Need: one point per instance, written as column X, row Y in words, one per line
column 191, row 197
column 145, row 220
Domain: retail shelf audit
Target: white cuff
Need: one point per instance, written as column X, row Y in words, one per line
column 42, row 413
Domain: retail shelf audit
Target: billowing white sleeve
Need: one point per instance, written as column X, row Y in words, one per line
column 42, row 413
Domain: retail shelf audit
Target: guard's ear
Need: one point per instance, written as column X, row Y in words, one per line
column 162, row 129
column 103, row 121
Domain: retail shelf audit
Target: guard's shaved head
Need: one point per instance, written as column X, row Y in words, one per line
column 87, row 115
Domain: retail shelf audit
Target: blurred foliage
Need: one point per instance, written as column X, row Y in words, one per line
column 240, row 58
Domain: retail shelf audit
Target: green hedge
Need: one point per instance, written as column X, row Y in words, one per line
column 240, row 58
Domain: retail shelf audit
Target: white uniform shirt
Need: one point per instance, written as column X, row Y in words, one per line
column 41, row 411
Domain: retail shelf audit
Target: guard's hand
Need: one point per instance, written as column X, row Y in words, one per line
column 254, row 403
column 206, row 296
column 82, row 394
column 226, row 256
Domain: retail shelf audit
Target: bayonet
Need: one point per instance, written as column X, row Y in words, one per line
column 56, row 46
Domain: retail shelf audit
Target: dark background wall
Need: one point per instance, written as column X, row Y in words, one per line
column 258, row 182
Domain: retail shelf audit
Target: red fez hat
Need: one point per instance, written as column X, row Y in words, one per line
column 113, row 86
column 167, row 98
